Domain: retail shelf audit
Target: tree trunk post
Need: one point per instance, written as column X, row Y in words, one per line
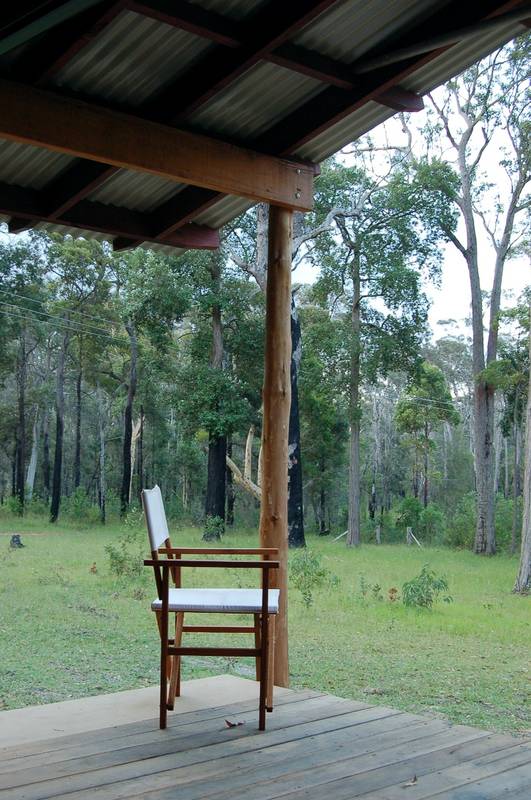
column 523, row 579
column 276, row 403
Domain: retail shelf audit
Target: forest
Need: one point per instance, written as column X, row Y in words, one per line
column 122, row 370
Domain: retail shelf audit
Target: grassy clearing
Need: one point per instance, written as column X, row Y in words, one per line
column 68, row 632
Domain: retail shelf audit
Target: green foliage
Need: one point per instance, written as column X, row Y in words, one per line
column 79, row 507
column 424, row 589
column 461, row 528
column 214, row 528
column 432, row 525
column 126, row 556
column 307, row 573
column 409, row 512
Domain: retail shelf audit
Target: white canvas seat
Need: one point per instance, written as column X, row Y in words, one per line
column 168, row 563
column 223, row 601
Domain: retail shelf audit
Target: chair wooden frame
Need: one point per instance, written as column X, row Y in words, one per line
column 171, row 648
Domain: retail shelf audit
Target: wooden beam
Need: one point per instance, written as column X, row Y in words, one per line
column 269, row 27
column 30, row 20
column 44, row 119
column 26, row 207
column 276, row 405
column 182, row 208
column 190, row 17
column 332, row 105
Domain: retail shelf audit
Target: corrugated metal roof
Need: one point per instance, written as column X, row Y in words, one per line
column 131, row 60
column 136, row 190
column 259, row 99
column 134, row 57
column 29, row 166
column 353, row 28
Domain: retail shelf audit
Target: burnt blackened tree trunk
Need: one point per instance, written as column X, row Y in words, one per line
column 46, row 455
column 77, row 453
column 20, row 460
column 217, row 444
column 128, row 420
column 295, row 495
column 59, row 429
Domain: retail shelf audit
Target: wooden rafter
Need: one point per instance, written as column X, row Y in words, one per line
column 45, row 119
column 25, row 206
column 332, row 105
column 269, row 27
column 214, row 26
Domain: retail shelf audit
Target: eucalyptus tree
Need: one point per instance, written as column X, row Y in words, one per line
column 152, row 292
column 483, row 114
column 77, row 278
column 523, row 579
column 424, row 407
column 378, row 239
column 22, row 304
column 218, row 393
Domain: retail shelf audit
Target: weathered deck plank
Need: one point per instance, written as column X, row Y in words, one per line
column 316, row 746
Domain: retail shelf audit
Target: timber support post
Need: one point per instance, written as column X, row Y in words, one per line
column 276, row 404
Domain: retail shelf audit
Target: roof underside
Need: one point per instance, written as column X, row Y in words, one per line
column 305, row 90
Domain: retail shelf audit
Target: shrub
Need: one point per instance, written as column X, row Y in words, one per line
column 126, row 557
column 307, row 573
column 79, row 508
column 424, row 589
column 432, row 524
column 409, row 512
column 461, row 530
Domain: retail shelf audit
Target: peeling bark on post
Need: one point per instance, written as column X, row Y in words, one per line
column 277, row 398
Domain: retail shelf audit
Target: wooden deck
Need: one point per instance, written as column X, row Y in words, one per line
column 316, row 746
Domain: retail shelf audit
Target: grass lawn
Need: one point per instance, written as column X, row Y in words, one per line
column 67, row 632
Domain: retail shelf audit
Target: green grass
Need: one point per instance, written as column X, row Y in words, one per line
column 66, row 632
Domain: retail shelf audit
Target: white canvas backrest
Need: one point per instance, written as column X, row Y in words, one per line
column 157, row 523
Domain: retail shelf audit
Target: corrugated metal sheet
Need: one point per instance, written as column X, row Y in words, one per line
column 136, row 190
column 29, row 166
column 261, row 97
column 131, row 60
column 355, row 27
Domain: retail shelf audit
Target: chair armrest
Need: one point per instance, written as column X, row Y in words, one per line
column 170, row 564
column 219, row 551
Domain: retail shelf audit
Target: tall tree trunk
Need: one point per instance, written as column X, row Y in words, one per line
column 425, row 492
column 32, row 466
column 46, row 455
column 323, row 530
column 215, row 496
column 128, row 420
column 101, row 430
column 217, row 445
column 21, row 422
column 231, row 495
column 354, row 534
column 516, row 475
column 295, row 494
column 506, row 467
column 140, row 456
column 523, row 579
column 59, row 429
column 77, row 453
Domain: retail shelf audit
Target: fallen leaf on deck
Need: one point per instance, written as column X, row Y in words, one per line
column 412, row 782
column 230, row 724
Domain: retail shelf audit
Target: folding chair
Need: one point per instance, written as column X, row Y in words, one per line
column 167, row 563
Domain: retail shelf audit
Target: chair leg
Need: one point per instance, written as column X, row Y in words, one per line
column 257, row 643
column 174, row 689
column 264, row 663
column 271, row 664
